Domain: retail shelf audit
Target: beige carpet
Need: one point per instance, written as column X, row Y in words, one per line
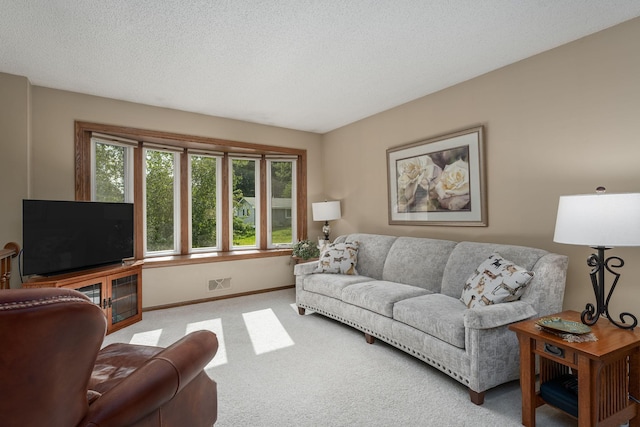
column 276, row 368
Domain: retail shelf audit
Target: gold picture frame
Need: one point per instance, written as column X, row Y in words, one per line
column 439, row 181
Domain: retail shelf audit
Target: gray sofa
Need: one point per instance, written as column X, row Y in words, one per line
column 407, row 293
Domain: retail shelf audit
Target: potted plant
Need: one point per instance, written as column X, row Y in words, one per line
column 305, row 249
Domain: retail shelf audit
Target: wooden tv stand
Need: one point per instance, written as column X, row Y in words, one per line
column 117, row 289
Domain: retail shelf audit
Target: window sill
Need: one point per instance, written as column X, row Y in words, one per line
column 172, row 260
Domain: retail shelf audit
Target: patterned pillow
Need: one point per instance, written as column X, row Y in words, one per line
column 496, row 280
column 338, row 258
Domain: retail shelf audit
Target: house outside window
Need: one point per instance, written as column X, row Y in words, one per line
column 282, row 201
column 245, row 192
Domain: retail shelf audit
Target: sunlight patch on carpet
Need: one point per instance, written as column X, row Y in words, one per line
column 151, row 338
column 215, row 326
column 266, row 332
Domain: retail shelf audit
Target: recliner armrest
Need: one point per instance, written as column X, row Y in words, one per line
column 154, row 383
column 493, row 316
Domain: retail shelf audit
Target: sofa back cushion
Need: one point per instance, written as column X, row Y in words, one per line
column 467, row 256
column 372, row 252
column 418, row 262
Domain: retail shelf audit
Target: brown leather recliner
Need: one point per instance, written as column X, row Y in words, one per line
column 53, row 373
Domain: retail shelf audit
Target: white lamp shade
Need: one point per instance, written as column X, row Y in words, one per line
column 599, row 220
column 326, row 211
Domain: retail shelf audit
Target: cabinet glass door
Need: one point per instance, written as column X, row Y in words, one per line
column 94, row 292
column 124, row 298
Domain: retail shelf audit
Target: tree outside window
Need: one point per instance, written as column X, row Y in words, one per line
column 204, row 201
column 110, row 172
column 160, row 172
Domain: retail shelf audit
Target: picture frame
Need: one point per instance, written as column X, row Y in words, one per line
column 439, row 181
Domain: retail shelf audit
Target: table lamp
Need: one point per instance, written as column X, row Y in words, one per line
column 326, row 211
column 601, row 221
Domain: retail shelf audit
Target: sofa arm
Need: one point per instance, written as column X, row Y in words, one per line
column 305, row 268
column 154, row 383
column 493, row 316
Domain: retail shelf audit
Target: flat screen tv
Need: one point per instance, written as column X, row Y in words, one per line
column 64, row 236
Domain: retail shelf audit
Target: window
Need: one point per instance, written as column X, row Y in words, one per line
column 281, row 202
column 204, row 196
column 161, row 195
column 245, row 195
column 112, row 169
column 195, row 195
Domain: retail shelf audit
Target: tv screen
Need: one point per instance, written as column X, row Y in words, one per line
column 62, row 236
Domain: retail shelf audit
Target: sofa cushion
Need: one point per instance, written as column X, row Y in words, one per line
column 371, row 253
column 379, row 296
column 417, row 261
column 495, row 280
column 435, row 314
column 331, row 285
column 338, row 258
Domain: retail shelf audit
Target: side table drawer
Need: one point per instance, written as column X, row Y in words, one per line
column 560, row 354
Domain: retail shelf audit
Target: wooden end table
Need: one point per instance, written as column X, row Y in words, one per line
column 608, row 371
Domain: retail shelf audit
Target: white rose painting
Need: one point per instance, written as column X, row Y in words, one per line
column 438, row 181
column 434, row 182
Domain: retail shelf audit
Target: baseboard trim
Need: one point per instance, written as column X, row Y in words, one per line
column 241, row 294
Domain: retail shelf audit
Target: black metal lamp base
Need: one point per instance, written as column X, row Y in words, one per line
column 592, row 313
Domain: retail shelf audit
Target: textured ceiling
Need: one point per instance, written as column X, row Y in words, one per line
column 312, row 65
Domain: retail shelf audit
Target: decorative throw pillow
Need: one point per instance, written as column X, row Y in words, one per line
column 496, row 280
column 338, row 258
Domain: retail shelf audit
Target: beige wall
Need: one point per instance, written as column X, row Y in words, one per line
column 54, row 113
column 562, row 122
column 166, row 285
column 52, row 176
column 14, row 158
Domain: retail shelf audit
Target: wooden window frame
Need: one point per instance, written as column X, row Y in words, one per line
column 84, row 132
